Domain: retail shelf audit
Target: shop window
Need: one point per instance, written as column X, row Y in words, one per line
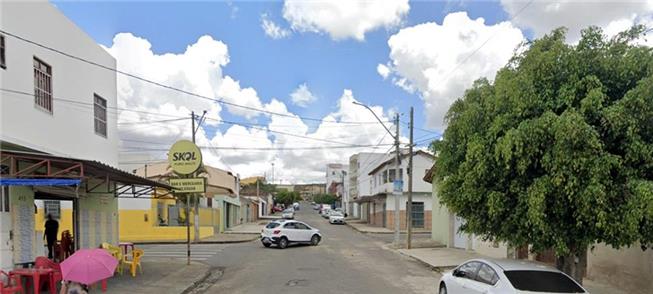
column 4, row 199
column 52, row 207
column 100, row 114
column 42, row 85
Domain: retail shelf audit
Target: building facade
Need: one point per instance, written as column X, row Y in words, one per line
column 57, row 120
column 380, row 203
column 359, row 185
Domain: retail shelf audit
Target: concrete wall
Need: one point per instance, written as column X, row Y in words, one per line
column 69, row 129
column 628, row 268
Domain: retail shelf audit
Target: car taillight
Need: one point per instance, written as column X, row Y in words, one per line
column 276, row 232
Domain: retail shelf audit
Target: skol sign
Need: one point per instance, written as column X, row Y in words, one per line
column 184, row 157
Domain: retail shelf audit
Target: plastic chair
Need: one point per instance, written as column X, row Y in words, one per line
column 134, row 262
column 44, row 262
column 13, row 284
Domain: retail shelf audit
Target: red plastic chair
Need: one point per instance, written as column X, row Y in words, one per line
column 12, row 287
column 44, row 262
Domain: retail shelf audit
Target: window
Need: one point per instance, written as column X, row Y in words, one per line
column 469, row 269
column 542, row 281
column 385, row 176
column 3, row 59
column 487, row 275
column 53, row 208
column 100, row 113
column 289, row 226
column 42, row 85
column 391, row 176
column 417, row 214
column 4, row 199
column 301, row 226
column 272, row 225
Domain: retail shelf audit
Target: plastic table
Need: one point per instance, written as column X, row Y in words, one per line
column 35, row 274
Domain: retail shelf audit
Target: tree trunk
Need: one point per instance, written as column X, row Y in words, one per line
column 574, row 264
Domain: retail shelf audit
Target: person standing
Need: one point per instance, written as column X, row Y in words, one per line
column 50, row 235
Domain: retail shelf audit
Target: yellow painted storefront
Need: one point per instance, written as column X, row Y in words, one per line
column 143, row 225
column 65, row 223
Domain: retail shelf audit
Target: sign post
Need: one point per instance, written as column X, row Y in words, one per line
column 185, row 158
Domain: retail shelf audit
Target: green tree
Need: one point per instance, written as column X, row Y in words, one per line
column 325, row 198
column 558, row 152
column 287, row 197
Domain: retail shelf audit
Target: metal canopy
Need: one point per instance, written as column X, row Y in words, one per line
column 95, row 176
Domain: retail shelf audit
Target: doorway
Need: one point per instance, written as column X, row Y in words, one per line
column 6, row 234
column 459, row 238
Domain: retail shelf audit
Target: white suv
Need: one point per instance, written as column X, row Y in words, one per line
column 285, row 232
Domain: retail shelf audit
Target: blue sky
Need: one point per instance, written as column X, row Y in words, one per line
column 273, row 67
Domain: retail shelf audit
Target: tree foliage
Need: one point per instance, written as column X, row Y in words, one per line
column 287, row 197
column 325, row 198
column 558, row 151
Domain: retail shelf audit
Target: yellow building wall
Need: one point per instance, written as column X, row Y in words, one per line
column 142, row 225
column 65, row 223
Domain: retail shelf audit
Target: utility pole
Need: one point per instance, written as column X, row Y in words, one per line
column 409, row 173
column 397, row 194
column 196, row 197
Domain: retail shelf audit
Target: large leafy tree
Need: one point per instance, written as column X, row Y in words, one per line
column 557, row 153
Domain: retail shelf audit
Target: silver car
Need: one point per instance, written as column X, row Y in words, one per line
column 288, row 214
column 506, row 276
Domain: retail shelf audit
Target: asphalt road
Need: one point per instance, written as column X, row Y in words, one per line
column 345, row 262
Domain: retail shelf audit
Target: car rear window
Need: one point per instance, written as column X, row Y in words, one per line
column 272, row 225
column 542, row 281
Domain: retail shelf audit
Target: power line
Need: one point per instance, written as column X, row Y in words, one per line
column 211, row 147
column 250, row 125
column 142, row 79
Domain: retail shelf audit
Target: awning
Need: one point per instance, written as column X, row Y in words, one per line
column 94, row 176
column 39, row 182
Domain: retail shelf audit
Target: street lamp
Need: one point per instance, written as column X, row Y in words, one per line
column 396, row 194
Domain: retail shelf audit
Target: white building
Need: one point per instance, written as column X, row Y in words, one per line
column 378, row 205
column 58, row 133
column 359, row 185
column 337, row 183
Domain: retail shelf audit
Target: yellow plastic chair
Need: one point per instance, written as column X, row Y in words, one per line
column 116, row 253
column 134, row 262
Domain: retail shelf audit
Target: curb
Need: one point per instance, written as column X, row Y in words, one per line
column 200, row 242
column 381, row 233
column 424, row 263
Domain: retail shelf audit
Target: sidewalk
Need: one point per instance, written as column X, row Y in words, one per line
column 247, row 228
column 158, row 277
column 363, row 227
column 442, row 259
column 215, row 239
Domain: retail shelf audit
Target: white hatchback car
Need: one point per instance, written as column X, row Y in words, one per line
column 286, row 232
column 336, row 217
column 506, row 276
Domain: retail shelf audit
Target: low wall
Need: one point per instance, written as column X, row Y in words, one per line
column 140, row 225
column 628, row 268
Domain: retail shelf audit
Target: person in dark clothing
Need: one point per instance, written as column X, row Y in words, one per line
column 50, row 235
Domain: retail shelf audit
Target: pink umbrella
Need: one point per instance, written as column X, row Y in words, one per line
column 88, row 266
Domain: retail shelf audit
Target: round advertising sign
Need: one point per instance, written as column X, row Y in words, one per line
column 184, row 157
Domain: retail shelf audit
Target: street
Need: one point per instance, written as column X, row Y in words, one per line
column 345, row 262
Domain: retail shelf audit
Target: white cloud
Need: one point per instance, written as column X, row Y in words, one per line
column 230, row 91
column 273, row 30
column 437, row 61
column 544, row 16
column 344, row 19
column 383, row 70
column 199, row 70
column 302, row 96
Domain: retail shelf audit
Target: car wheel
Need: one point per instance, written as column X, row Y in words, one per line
column 266, row 245
column 315, row 240
column 283, row 243
column 443, row 289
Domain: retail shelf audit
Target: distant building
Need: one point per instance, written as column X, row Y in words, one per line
column 359, row 181
column 337, row 183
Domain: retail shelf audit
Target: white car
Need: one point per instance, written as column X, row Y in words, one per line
column 326, row 212
column 336, row 217
column 286, row 232
column 288, row 214
column 506, row 276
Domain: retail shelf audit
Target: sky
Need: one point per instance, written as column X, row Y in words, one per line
column 304, row 63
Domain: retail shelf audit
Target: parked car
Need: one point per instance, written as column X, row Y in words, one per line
column 506, row 276
column 295, row 206
column 284, row 232
column 326, row 212
column 336, row 217
column 288, row 214
column 277, row 208
column 316, row 207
